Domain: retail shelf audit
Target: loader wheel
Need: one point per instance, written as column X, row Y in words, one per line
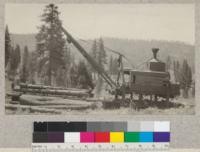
column 111, row 105
column 140, row 97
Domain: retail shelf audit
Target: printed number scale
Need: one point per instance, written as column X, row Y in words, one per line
column 65, row 147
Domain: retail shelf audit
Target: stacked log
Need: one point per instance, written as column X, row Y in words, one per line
column 40, row 101
column 36, row 86
column 56, row 91
column 42, row 104
column 31, row 108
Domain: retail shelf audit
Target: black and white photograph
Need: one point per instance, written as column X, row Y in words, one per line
column 99, row 59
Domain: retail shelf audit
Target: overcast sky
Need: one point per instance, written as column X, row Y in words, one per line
column 133, row 21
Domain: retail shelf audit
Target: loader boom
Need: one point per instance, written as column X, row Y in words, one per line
column 93, row 63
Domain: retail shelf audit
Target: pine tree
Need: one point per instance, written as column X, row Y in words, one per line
column 67, row 57
column 168, row 63
column 74, row 75
column 99, row 86
column 32, row 67
column 94, row 55
column 7, row 45
column 15, row 58
column 60, row 78
column 18, row 56
column 25, row 66
column 94, row 50
column 102, row 61
column 63, row 72
column 115, row 66
column 186, row 78
column 111, row 65
column 102, row 57
column 176, row 69
column 84, row 77
column 50, row 42
column 12, row 62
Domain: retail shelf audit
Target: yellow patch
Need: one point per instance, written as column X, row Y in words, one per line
column 117, row 137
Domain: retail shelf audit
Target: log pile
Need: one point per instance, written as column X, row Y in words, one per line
column 53, row 91
column 43, row 104
column 14, row 96
column 36, row 86
column 40, row 101
column 31, row 109
column 47, row 99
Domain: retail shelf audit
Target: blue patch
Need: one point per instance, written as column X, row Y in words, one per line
column 146, row 136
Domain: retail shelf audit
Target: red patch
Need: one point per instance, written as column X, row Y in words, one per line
column 102, row 137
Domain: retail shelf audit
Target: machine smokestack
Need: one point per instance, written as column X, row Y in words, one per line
column 155, row 51
column 155, row 63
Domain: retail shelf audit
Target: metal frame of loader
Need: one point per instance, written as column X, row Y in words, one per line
column 117, row 89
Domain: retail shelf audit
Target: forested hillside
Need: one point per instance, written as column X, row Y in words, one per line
column 136, row 50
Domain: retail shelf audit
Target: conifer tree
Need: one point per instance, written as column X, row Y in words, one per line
column 102, row 57
column 168, row 63
column 94, row 50
column 84, row 77
column 176, row 67
column 185, row 78
column 94, row 55
column 7, row 45
column 111, row 65
column 32, row 67
column 15, row 58
column 50, row 42
column 25, row 66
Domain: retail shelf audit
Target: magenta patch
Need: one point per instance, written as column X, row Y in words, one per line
column 87, row 137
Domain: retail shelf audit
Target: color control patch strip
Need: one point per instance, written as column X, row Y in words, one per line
column 101, row 132
column 100, row 137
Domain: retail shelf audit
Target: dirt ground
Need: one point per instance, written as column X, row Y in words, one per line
column 185, row 107
column 178, row 106
column 188, row 108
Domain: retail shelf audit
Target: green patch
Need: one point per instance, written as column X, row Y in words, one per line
column 131, row 136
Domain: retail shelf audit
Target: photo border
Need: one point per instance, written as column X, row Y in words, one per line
column 16, row 130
